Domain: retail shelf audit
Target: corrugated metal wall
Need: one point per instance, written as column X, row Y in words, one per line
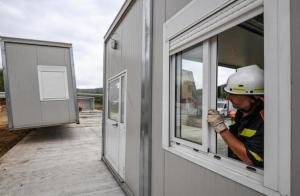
column 28, row 110
column 295, row 70
column 172, row 175
column 129, row 56
column 157, row 181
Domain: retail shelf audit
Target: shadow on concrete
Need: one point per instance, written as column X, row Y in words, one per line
column 49, row 134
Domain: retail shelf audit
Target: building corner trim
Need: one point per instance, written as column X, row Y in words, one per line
column 146, row 102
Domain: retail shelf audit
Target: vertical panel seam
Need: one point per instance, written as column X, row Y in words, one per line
column 146, row 101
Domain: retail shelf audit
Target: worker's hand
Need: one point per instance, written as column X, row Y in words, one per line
column 216, row 120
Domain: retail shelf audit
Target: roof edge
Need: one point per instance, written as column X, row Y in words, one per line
column 119, row 17
column 35, row 42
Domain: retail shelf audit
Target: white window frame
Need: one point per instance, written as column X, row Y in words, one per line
column 111, row 79
column 178, row 141
column 57, row 69
column 180, row 34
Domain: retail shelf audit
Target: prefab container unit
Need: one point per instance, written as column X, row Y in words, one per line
column 86, row 103
column 152, row 40
column 2, row 95
column 39, row 81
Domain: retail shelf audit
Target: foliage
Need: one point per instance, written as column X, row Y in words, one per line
column 98, row 100
column 1, row 81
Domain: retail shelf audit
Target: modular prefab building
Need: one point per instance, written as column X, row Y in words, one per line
column 86, row 103
column 165, row 64
column 39, row 81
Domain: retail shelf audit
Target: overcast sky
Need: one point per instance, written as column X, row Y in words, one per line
column 80, row 22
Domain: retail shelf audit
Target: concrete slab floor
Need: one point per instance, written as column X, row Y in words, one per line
column 63, row 160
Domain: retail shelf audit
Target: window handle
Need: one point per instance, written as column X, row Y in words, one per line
column 115, row 125
column 251, row 168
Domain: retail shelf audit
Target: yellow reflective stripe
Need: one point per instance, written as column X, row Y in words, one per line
column 248, row 132
column 256, row 156
column 259, row 90
column 239, row 89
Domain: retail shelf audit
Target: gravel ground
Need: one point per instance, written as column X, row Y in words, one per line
column 7, row 138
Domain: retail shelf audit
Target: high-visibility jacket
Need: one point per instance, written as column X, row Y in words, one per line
column 250, row 131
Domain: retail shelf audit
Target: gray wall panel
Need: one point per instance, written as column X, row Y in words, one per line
column 55, row 112
column 131, row 58
column 173, row 6
column 177, row 176
column 128, row 56
column 185, row 178
column 56, row 57
column 114, row 56
column 295, row 70
column 22, row 64
column 157, row 153
column 21, row 61
column 50, row 56
column 72, row 107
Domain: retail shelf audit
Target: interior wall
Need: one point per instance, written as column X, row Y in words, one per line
column 240, row 47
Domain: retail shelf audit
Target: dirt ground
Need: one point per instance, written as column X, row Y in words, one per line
column 7, row 138
column 98, row 106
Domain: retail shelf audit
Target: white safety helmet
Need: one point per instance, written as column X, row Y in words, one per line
column 247, row 80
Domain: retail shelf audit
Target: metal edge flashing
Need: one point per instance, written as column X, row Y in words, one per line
column 118, row 19
column 40, row 126
column 6, row 86
column 35, row 42
column 80, row 97
column 74, row 85
column 146, row 102
column 125, row 188
column 220, row 7
column 104, row 101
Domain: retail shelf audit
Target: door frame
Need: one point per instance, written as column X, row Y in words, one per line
column 124, row 123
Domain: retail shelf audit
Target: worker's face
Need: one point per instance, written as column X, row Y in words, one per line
column 240, row 101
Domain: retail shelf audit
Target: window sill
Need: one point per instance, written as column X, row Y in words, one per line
column 247, row 178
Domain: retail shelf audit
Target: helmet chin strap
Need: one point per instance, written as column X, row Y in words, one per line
column 251, row 106
column 247, row 110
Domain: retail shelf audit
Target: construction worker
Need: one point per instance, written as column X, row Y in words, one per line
column 245, row 138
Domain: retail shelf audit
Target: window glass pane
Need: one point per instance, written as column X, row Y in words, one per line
column 122, row 98
column 224, row 106
column 189, row 86
column 238, row 47
column 113, row 100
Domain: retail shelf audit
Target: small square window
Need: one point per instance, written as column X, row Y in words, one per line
column 114, row 100
column 53, row 83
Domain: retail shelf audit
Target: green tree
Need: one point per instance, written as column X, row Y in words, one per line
column 1, row 81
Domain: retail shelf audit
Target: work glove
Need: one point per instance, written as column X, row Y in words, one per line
column 216, row 120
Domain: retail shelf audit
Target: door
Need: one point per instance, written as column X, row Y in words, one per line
column 115, row 136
